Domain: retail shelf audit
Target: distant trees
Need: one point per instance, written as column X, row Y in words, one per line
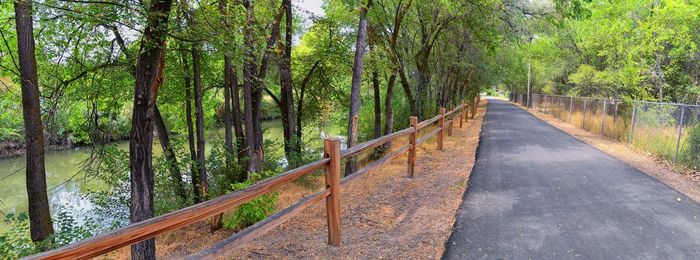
column 641, row 49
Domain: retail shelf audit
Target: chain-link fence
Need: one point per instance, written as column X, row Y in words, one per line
column 668, row 130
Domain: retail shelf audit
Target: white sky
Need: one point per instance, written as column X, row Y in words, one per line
column 313, row 6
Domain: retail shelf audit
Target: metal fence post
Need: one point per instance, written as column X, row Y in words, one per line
column 680, row 133
column 560, row 106
column 331, row 149
column 585, row 107
column 602, row 123
column 571, row 107
column 634, row 121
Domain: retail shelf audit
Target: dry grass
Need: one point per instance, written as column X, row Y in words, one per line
column 384, row 214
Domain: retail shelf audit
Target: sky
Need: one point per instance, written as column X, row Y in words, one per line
column 313, row 6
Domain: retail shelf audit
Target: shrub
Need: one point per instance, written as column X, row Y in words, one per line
column 693, row 151
column 16, row 242
column 253, row 211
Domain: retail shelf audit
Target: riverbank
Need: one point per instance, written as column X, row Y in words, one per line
column 10, row 149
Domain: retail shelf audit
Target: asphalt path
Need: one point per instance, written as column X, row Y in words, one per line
column 538, row 193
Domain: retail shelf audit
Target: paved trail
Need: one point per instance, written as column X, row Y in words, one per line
column 539, row 193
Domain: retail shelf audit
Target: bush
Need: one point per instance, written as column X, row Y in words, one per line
column 16, row 242
column 254, row 211
column 693, row 151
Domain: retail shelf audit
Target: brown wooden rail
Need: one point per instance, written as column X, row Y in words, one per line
column 136, row 232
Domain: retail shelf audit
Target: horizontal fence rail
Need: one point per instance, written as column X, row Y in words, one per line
column 661, row 128
column 136, row 232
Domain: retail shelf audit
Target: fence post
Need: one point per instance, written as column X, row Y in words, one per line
column 680, row 133
column 475, row 105
column 634, row 121
column 442, row 128
column 585, row 107
column 602, row 123
column 465, row 111
column 571, row 107
column 331, row 147
column 452, row 121
column 412, row 151
column 461, row 114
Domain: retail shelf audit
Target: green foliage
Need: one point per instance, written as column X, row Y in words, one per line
column 253, row 211
column 692, row 151
column 16, row 242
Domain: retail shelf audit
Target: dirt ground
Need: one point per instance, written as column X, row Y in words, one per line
column 384, row 214
column 684, row 180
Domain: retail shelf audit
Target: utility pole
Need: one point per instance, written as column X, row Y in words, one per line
column 529, row 76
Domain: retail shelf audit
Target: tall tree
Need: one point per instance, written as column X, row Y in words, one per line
column 149, row 77
column 40, row 225
column 286, row 89
column 254, row 160
column 357, row 69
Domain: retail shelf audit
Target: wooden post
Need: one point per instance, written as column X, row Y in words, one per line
column 442, row 128
column 412, row 151
column 461, row 115
column 466, row 111
column 475, row 105
column 331, row 148
column 452, row 121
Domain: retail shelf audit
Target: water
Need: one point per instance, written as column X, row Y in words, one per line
column 65, row 182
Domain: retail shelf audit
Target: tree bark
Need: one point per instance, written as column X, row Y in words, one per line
column 375, row 87
column 187, row 79
column 254, row 162
column 286, row 91
column 175, row 174
column 357, row 68
column 199, row 123
column 300, row 103
column 241, row 150
column 228, row 81
column 149, row 76
column 40, row 224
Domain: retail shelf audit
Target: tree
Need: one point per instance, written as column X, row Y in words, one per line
column 149, row 77
column 40, row 224
column 357, row 68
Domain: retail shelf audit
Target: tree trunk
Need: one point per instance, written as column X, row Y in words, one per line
column 300, row 103
column 187, row 79
column 241, row 150
column 389, row 105
column 40, row 224
column 199, row 123
column 357, row 68
column 375, row 87
column 228, row 133
column 253, row 164
column 149, row 76
column 286, row 91
column 175, row 174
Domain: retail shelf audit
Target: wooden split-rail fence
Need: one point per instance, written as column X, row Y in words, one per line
column 137, row 232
